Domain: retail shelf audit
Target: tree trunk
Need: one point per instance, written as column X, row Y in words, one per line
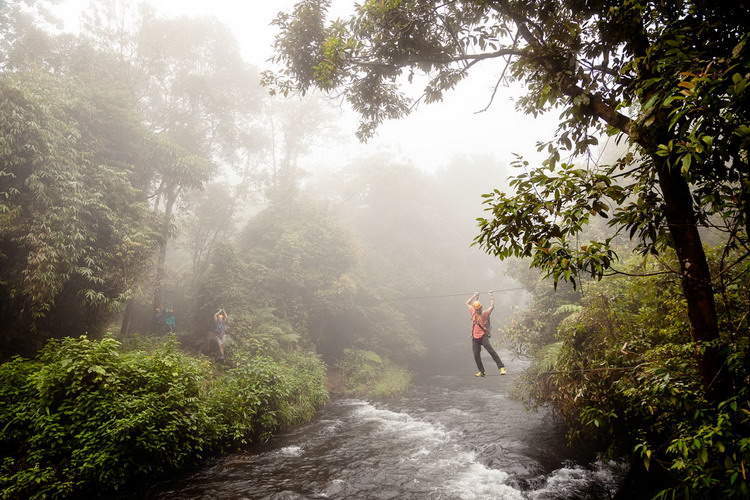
column 696, row 275
column 745, row 189
column 162, row 254
column 126, row 319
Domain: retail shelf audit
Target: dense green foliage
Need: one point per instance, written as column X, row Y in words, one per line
column 103, row 133
column 619, row 372
column 367, row 374
column 535, row 325
column 71, row 220
column 87, row 417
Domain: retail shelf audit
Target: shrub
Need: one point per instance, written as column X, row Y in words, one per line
column 366, row 373
column 625, row 372
column 86, row 417
column 261, row 395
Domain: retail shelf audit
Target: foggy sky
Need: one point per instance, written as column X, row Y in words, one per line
column 428, row 138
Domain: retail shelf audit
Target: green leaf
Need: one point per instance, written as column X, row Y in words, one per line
column 669, row 100
column 98, row 369
column 687, row 160
column 650, row 103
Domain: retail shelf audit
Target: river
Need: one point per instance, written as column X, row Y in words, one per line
column 449, row 437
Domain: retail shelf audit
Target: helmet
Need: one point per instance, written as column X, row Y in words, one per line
column 477, row 305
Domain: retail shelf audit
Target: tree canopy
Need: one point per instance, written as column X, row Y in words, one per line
column 74, row 227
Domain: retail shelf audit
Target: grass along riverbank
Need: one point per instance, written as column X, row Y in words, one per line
column 367, row 374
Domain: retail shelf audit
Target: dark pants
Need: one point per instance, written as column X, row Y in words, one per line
column 476, row 346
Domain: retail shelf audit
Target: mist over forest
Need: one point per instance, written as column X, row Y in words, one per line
column 291, row 231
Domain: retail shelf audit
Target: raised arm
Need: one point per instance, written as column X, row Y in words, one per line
column 472, row 299
column 492, row 304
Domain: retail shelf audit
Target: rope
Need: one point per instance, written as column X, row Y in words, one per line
column 454, row 294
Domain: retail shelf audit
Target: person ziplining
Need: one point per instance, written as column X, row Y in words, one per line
column 480, row 324
column 480, row 333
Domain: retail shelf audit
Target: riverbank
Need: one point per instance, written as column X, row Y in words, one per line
column 366, row 374
column 88, row 418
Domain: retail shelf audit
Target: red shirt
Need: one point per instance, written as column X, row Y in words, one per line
column 479, row 319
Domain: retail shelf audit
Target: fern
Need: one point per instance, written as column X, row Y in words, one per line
column 569, row 309
column 547, row 356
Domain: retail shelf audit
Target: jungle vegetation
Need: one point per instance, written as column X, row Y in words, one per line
column 144, row 170
column 653, row 358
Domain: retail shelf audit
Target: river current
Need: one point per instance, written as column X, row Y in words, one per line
column 449, row 437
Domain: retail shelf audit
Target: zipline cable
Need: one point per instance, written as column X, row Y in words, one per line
column 454, row 294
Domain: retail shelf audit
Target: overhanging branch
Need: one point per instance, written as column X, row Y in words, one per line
column 510, row 51
column 597, row 106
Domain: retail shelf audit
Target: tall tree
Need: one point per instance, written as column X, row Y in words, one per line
column 17, row 20
column 207, row 223
column 196, row 93
column 293, row 126
column 74, row 231
column 670, row 77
